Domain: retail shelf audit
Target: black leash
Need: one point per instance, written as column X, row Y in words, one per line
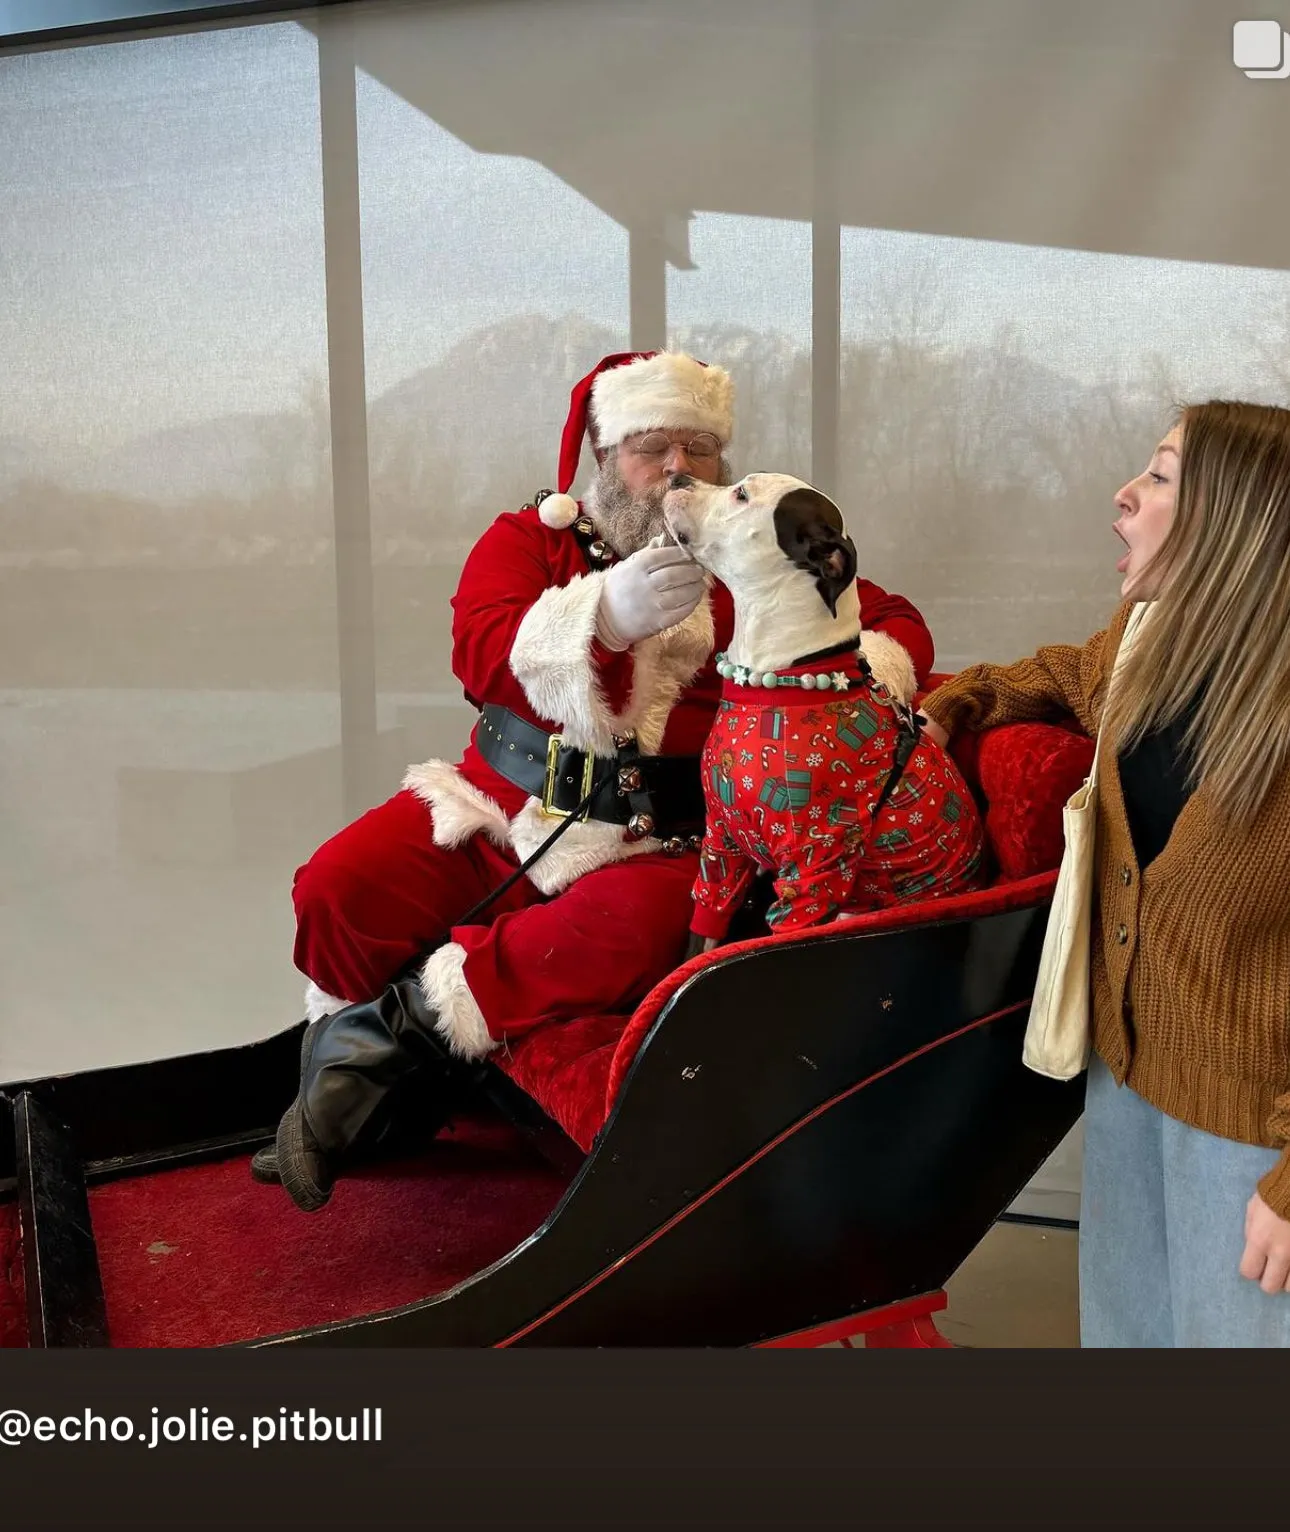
column 578, row 813
column 910, row 729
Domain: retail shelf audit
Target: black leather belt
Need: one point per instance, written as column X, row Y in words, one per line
column 658, row 795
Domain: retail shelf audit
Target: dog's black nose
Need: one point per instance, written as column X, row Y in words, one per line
column 680, row 481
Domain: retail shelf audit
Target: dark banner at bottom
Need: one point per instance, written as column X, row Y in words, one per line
column 643, row 1438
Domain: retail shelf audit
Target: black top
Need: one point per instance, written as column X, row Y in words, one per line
column 1154, row 779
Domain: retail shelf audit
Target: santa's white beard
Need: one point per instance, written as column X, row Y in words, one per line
column 628, row 522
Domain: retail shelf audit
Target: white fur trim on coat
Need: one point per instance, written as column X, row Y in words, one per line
column 458, row 809
column 318, row 1003
column 890, row 663
column 551, row 659
column 581, row 849
column 667, row 392
column 460, row 1022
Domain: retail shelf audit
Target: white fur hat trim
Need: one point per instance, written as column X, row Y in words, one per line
column 666, row 392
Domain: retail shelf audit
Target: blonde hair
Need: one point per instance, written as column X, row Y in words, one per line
column 1222, row 613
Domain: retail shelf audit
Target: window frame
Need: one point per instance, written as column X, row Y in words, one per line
column 36, row 22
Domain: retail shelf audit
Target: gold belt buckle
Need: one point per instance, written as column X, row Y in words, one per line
column 553, row 747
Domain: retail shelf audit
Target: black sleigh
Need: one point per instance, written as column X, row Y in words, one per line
column 793, row 1140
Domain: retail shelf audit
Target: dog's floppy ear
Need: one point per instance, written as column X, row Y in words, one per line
column 834, row 556
column 809, row 529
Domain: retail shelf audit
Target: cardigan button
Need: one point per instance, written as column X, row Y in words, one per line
column 1126, row 875
column 1122, row 934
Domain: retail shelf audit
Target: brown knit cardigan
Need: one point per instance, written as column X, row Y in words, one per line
column 1190, row 956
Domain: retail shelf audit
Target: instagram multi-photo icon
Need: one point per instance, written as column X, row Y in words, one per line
column 1261, row 49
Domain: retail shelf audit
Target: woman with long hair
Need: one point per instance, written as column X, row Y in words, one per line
column 1185, row 1214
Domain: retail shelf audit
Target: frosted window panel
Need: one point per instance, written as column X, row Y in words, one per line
column 745, row 301
column 168, row 642
column 996, row 396
column 489, row 287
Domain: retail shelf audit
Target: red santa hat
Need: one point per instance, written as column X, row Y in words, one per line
column 631, row 392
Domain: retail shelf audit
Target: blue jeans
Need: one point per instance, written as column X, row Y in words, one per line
column 1162, row 1230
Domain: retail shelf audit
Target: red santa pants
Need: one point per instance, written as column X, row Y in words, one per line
column 380, row 893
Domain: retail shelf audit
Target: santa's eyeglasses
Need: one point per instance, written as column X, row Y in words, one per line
column 656, row 445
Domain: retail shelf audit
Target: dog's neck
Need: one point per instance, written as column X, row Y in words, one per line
column 784, row 619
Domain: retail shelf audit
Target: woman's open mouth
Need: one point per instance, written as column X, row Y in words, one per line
column 1128, row 551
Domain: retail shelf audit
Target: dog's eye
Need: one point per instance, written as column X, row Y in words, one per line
column 741, row 494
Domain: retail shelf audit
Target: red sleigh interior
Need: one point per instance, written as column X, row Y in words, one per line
column 204, row 1256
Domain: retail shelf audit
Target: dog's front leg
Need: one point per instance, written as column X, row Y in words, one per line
column 699, row 944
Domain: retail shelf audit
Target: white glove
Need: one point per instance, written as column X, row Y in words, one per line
column 654, row 589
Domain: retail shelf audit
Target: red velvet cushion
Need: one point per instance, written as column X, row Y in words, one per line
column 1026, row 772
column 565, row 1068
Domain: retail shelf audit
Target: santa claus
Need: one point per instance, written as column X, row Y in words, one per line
column 587, row 646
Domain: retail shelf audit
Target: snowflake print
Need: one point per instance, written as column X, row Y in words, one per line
column 815, row 759
column 747, row 783
column 915, row 818
column 816, row 811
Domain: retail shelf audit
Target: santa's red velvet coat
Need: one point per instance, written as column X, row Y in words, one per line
column 524, row 638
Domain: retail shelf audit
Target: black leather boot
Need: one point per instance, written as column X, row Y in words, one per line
column 352, row 1063
column 264, row 1162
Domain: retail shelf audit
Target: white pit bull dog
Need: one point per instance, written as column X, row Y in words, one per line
column 814, row 769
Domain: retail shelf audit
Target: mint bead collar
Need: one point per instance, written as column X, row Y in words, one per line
column 741, row 675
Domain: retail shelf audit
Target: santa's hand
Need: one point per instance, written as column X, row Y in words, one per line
column 653, row 589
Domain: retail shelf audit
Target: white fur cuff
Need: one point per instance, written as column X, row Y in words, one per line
column 891, row 664
column 551, row 659
column 460, row 1022
column 318, row 1003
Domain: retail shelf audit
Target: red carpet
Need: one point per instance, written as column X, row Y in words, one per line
column 13, row 1321
column 205, row 1256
